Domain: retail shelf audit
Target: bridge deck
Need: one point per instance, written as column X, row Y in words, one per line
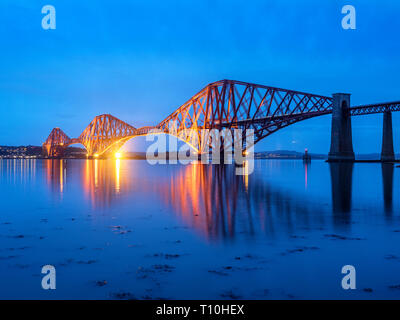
column 221, row 104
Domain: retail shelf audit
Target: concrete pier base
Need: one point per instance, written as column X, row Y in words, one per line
column 387, row 153
column 341, row 137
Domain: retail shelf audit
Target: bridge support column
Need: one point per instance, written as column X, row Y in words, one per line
column 387, row 153
column 341, row 138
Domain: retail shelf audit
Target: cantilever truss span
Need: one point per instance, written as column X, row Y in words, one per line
column 223, row 105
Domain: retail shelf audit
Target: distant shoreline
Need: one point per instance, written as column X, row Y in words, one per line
column 35, row 152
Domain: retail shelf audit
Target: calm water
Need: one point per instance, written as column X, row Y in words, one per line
column 198, row 232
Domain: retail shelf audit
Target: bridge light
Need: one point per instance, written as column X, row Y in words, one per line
column 118, row 155
column 96, row 155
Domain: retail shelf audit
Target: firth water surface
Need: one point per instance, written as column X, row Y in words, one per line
column 125, row 229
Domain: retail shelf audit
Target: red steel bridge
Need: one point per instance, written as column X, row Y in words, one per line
column 228, row 104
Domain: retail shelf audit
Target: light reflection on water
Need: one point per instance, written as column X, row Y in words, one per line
column 281, row 206
column 213, row 200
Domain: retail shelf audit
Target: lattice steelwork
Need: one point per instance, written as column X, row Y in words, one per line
column 225, row 104
column 234, row 104
column 104, row 132
column 375, row 108
column 55, row 143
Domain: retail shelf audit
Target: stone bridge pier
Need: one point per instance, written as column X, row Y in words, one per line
column 341, row 135
column 387, row 153
column 341, row 138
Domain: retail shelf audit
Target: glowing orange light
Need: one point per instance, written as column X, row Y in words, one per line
column 117, row 171
column 96, row 155
column 118, row 155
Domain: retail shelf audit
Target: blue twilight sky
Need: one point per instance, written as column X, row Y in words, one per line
column 140, row 60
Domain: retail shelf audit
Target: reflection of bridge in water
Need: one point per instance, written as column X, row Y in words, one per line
column 221, row 204
column 342, row 178
column 214, row 200
column 101, row 181
column 230, row 105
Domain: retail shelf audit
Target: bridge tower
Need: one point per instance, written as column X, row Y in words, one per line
column 341, row 137
column 387, row 153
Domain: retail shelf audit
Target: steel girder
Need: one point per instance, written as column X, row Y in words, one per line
column 375, row 108
column 56, row 142
column 229, row 104
column 104, row 132
column 222, row 105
